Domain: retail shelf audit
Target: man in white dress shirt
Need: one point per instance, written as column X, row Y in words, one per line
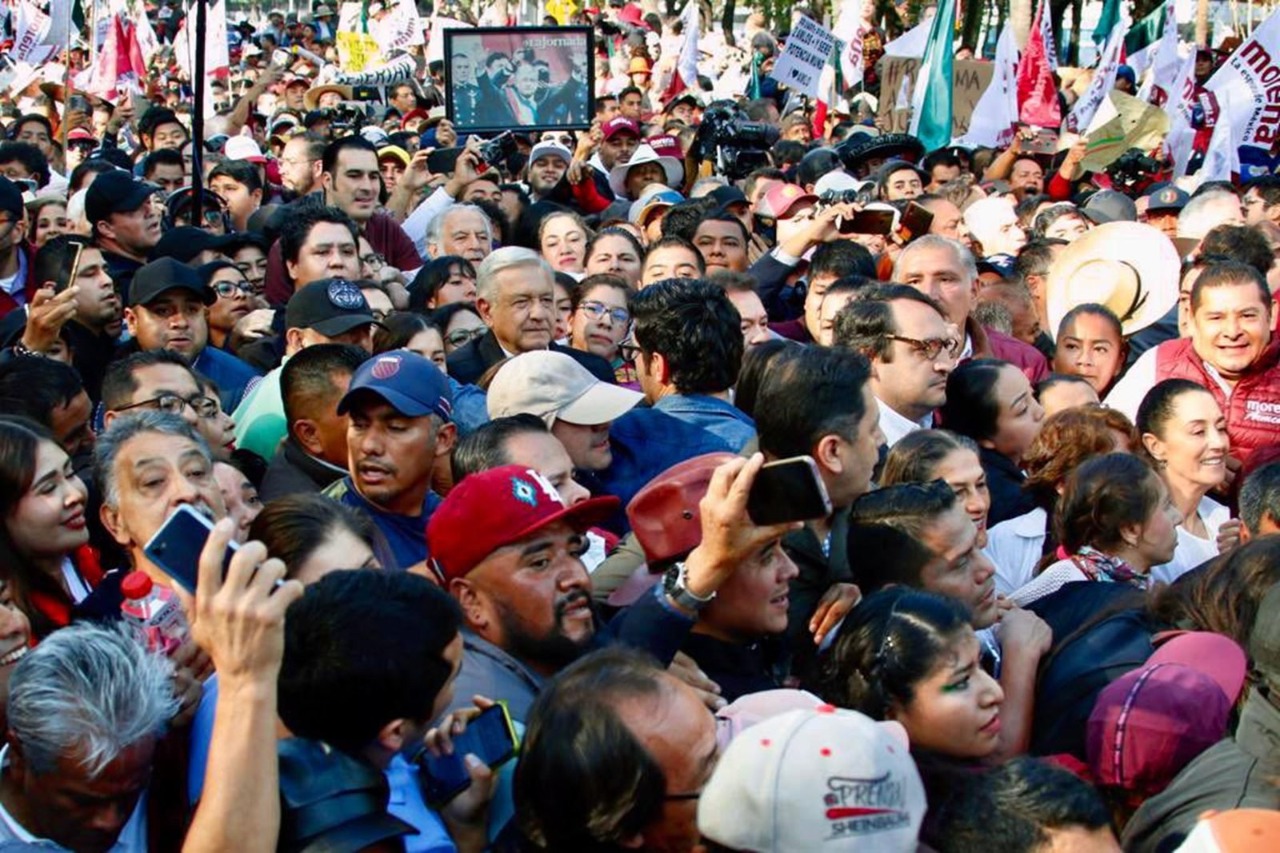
column 912, row 349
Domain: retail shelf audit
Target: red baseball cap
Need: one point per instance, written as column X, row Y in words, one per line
column 619, row 124
column 498, row 507
column 664, row 515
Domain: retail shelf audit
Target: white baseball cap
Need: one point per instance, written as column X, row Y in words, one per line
column 552, row 386
column 542, row 149
column 820, row 780
column 243, row 148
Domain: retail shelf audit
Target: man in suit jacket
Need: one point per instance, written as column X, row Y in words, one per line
column 515, row 296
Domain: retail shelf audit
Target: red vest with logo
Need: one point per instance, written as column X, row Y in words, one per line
column 1253, row 410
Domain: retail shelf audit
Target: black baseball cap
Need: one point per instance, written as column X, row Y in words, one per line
column 331, row 306
column 184, row 242
column 11, row 198
column 115, row 191
column 727, row 196
column 165, row 274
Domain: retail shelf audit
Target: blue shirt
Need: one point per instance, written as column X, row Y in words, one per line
column 231, row 374
column 406, row 535
column 718, row 417
column 407, row 804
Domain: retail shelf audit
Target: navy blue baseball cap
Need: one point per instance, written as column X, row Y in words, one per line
column 408, row 382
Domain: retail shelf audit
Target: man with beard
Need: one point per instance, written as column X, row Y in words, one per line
column 510, row 551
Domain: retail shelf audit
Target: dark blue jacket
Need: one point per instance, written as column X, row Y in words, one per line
column 231, row 374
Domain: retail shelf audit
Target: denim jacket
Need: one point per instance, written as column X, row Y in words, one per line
column 648, row 441
column 716, row 416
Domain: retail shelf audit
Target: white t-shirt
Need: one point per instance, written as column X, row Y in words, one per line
column 1192, row 550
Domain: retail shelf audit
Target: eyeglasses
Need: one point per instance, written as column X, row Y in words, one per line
column 460, row 337
column 205, row 407
column 628, row 351
column 228, row 289
column 596, row 310
column 373, row 261
column 931, row 348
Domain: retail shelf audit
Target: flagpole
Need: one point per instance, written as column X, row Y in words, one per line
column 197, row 118
column 66, row 81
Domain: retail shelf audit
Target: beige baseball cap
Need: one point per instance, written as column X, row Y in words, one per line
column 553, row 386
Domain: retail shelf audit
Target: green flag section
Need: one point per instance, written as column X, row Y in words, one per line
column 1107, row 21
column 931, row 103
column 1146, row 32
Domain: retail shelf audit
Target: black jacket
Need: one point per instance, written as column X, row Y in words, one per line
column 1004, row 480
column 294, row 471
column 469, row 362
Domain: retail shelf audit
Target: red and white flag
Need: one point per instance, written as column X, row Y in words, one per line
column 685, row 75
column 1037, row 92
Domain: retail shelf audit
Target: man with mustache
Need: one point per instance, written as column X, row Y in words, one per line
column 400, row 407
column 515, row 296
column 149, row 463
column 510, row 550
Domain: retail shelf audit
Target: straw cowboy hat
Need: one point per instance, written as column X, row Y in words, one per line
column 312, row 98
column 673, row 168
column 1129, row 267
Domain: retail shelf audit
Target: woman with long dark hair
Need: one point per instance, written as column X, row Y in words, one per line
column 992, row 402
column 45, row 556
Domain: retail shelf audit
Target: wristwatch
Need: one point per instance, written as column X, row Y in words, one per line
column 674, row 584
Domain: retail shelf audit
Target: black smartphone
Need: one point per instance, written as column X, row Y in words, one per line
column 491, row 737
column 868, row 222
column 442, row 161
column 176, row 546
column 69, row 269
column 788, row 490
column 915, row 222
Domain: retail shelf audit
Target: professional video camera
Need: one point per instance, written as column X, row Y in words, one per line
column 348, row 117
column 1133, row 171
column 735, row 144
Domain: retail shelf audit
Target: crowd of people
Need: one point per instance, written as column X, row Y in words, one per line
column 484, row 437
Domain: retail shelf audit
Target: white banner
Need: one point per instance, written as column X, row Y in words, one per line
column 435, row 41
column 911, row 44
column 808, row 48
column 1247, row 86
column 59, row 23
column 1104, row 80
column 849, row 31
column 996, row 113
column 399, row 29
column 30, row 28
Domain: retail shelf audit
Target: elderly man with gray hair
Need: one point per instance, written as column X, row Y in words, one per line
column 87, row 708
column 461, row 229
column 515, row 296
column 148, row 463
